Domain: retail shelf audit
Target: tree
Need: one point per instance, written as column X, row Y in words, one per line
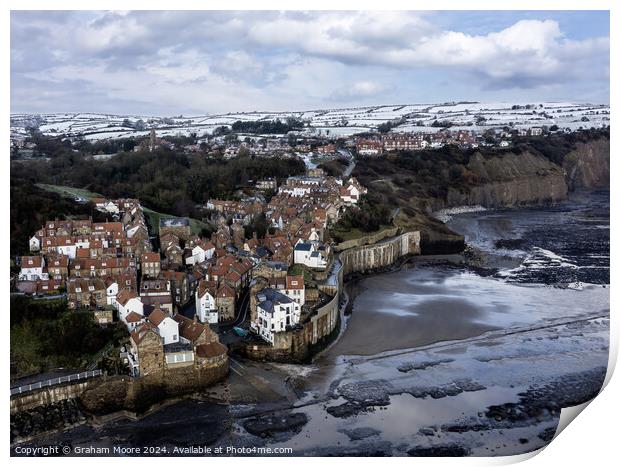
column 243, row 151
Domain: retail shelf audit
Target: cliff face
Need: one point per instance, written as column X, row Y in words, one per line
column 528, row 179
column 511, row 180
column 588, row 165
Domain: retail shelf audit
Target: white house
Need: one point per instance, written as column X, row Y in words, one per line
column 291, row 286
column 107, row 206
column 205, row 304
column 351, row 193
column 32, row 268
column 66, row 246
column 167, row 327
column 295, row 289
column 128, row 301
column 200, row 252
column 35, row 243
column 307, row 253
column 274, row 313
column 111, row 291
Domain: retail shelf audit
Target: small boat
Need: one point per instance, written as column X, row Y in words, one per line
column 240, row 331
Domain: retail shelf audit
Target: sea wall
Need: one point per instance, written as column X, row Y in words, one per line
column 138, row 394
column 51, row 395
column 367, row 258
column 110, row 394
column 323, row 327
column 367, row 239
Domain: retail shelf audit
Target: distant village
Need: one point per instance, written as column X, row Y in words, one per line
column 174, row 300
column 319, row 147
column 316, row 146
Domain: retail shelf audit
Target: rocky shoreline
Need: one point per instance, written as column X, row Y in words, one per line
column 46, row 419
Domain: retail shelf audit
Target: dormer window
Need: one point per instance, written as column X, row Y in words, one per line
column 78, row 289
column 91, row 288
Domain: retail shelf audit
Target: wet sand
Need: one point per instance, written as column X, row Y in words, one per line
column 422, row 305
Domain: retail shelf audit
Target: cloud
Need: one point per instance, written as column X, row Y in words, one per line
column 218, row 61
column 528, row 49
column 359, row 90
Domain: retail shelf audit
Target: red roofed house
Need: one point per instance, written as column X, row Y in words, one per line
column 150, row 264
column 126, row 302
column 32, row 268
column 167, row 327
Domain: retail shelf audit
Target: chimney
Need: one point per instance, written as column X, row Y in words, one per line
column 195, row 317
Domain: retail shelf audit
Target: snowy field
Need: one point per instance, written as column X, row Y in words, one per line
column 330, row 122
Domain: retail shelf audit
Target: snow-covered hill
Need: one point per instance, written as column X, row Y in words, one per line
column 332, row 122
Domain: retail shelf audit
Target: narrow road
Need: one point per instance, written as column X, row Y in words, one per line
column 346, row 153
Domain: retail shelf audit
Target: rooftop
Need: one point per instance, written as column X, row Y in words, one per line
column 173, row 222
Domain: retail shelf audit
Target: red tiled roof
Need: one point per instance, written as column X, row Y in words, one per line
column 134, row 317
column 157, row 316
column 188, row 328
column 295, row 282
column 141, row 331
column 32, row 261
column 124, row 296
column 150, row 258
column 210, row 350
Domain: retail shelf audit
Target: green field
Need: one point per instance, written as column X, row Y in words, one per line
column 152, row 216
column 153, row 219
column 70, row 191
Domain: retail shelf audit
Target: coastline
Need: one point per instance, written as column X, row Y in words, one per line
column 473, row 259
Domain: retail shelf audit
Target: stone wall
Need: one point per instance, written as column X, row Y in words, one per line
column 111, row 394
column 367, row 239
column 380, row 255
column 138, row 394
column 51, row 395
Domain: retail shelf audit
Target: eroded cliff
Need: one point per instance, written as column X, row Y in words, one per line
column 530, row 178
column 587, row 166
column 511, row 180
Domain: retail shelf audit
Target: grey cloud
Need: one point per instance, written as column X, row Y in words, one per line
column 274, row 52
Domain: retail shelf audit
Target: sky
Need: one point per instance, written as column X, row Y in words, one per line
column 212, row 62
